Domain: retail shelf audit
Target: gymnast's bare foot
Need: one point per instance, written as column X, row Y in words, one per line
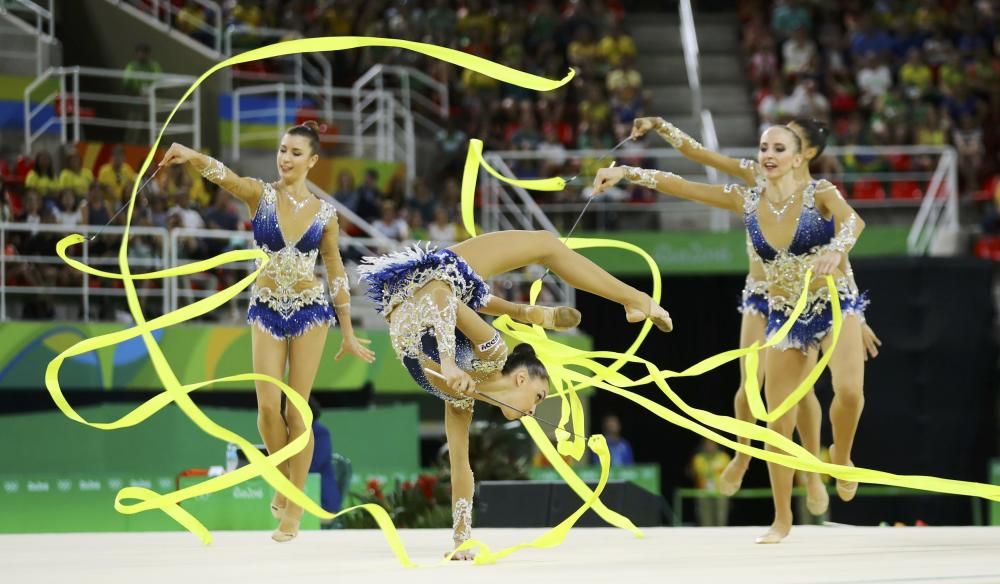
column 817, row 497
column 732, row 476
column 779, row 531
column 845, row 489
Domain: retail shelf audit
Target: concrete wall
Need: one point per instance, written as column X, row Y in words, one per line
column 98, row 33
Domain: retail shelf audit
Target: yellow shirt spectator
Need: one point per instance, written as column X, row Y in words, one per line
column 918, row 75
column 951, row 75
column 481, row 20
column 930, row 136
column 621, row 78
column 476, row 80
column 199, row 194
column 116, row 180
column 191, row 18
column 614, row 49
column 707, row 467
column 596, row 112
column 79, row 182
column 583, row 51
column 338, row 20
column 248, row 15
column 42, row 184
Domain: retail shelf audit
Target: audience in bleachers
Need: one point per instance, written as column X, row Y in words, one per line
column 921, row 72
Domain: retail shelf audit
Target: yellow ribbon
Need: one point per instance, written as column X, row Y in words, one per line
column 131, row 500
column 560, row 360
column 557, row 534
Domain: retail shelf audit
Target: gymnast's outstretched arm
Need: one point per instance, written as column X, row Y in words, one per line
column 728, row 197
column 247, row 190
column 745, row 170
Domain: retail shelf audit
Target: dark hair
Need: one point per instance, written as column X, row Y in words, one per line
column 798, row 141
column 815, row 132
column 49, row 172
column 523, row 355
column 309, row 130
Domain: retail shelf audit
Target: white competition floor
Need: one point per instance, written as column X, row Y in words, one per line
column 829, row 554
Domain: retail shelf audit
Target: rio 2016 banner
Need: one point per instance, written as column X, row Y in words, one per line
column 195, row 352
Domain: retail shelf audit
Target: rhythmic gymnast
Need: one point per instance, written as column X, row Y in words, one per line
column 818, row 233
column 753, row 306
column 289, row 311
column 431, row 299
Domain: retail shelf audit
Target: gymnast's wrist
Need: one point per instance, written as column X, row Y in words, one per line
column 344, row 320
column 645, row 177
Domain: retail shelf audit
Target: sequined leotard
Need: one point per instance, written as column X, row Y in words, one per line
column 786, row 268
column 283, row 310
column 421, row 328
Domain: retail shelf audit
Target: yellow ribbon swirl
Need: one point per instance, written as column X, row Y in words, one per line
column 564, row 363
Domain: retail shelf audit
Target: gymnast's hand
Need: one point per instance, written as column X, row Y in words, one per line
column 606, row 178
column 457, row 380
column 871, row 342
column 827, row 263
column 642, row 125
column 352, row 345
column 178, row 154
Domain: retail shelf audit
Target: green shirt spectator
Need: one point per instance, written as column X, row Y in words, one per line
column 142, row 63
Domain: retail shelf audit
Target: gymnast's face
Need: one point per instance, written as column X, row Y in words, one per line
column 527, row 392
column 295, row 158
column 779, row 152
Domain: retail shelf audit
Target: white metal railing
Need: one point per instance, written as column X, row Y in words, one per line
column 306, row 68
column 327, row 98
column 89, row 298
column 938, row 214
column 395, row 120
column 35, row 19
column 611, row 211
column 505, row 207
column 165, row 15
column 429, row 108
column 20, row 233
column 381, row 119
column 171, row 249
column 169, row 252
column 79, row 88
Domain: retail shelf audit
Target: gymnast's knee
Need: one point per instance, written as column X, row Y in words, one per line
column 269, row 413
column 784, row 425
column 740, row 399
column 850, row 395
